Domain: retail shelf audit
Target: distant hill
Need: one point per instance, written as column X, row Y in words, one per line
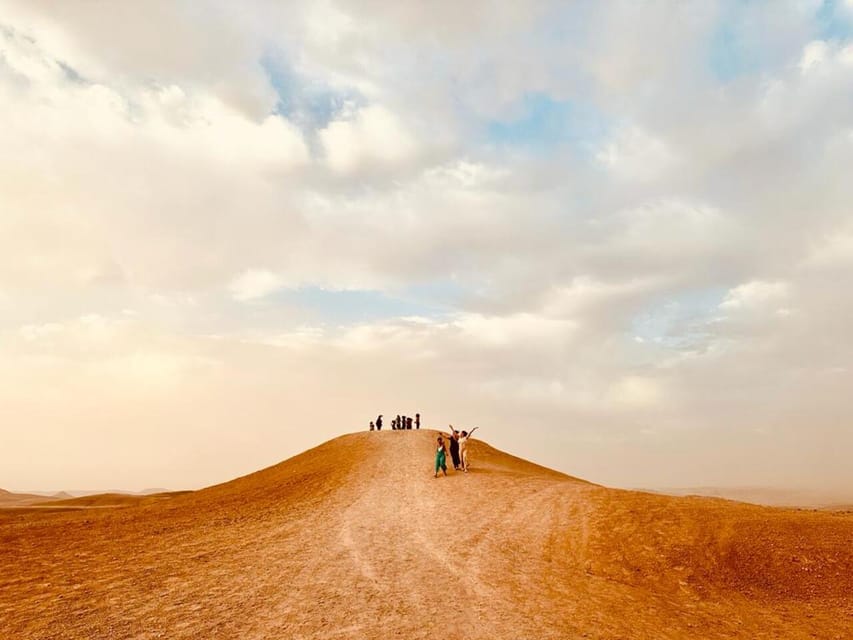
column 9, row 499
column 356, row 539
column 773, row 497
column 112, row 499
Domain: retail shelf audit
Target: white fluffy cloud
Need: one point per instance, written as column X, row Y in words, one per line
column 254, row 284
column 616, row 228
column 371, row 135
column 755, row 294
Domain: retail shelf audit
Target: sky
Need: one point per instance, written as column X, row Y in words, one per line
column 617, row 237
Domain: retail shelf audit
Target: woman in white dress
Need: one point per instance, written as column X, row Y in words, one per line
column 463, row 447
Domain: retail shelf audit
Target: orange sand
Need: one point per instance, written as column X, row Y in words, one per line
column 355, row 539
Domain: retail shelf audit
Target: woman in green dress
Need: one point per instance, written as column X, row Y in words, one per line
column 440, row 457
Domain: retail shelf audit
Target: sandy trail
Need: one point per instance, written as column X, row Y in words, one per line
column 356, row 539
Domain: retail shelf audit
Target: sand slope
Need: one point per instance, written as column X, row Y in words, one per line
column 355, row 539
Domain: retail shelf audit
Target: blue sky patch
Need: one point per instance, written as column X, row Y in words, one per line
column 678, row 320
column 342, row 307
column 835, row 22
column 546, row 123
column 727, row 56
column 309, row 105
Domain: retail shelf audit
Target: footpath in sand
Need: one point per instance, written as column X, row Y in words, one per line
column 355, row 539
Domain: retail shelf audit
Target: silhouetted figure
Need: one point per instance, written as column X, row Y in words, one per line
column 417, row 421
column 399, row 424
column 371, row 425
column 379, row 422
column 408, row 423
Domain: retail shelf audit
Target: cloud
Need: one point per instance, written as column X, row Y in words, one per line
column 254, row 284
column 285, row 216
column 755, row 294
column 634, row 155
column 835, row 251
column 371, row 135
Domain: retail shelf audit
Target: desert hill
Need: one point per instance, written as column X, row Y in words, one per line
column 355, row 538
column 10, row 499
column 112, row 499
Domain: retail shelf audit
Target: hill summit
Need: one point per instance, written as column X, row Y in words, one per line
column 355, row 538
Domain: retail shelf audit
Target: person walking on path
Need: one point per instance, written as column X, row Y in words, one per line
column 440, row 457
column 463, row 448
column 379, row 422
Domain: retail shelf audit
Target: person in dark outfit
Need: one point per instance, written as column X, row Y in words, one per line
column 379, row 423
column 408, row 423
column 417, row 421
column 454, row 448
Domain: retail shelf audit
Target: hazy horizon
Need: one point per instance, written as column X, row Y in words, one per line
column 617, row 237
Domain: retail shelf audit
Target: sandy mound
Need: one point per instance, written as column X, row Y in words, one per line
column 356, row 539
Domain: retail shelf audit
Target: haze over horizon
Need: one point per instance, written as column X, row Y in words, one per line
column 617, row 237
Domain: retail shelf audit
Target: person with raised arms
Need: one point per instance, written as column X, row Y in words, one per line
column 453, row 438
column 463, row 447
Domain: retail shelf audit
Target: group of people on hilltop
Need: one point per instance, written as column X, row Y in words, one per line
column 455, row 441
column 458, row 445
column 397, row 424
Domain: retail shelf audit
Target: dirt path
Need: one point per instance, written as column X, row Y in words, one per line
column 357, row 539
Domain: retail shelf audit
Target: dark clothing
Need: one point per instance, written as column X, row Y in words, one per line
column 408, row 423
column 454, row 452
column 379, row 423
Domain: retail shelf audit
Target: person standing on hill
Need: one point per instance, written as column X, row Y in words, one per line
column 379, row 422
column 371, row 425
column 463, row 448
column 408, row 423
column 417, row 421
column 454, row 448
column 440, row 457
